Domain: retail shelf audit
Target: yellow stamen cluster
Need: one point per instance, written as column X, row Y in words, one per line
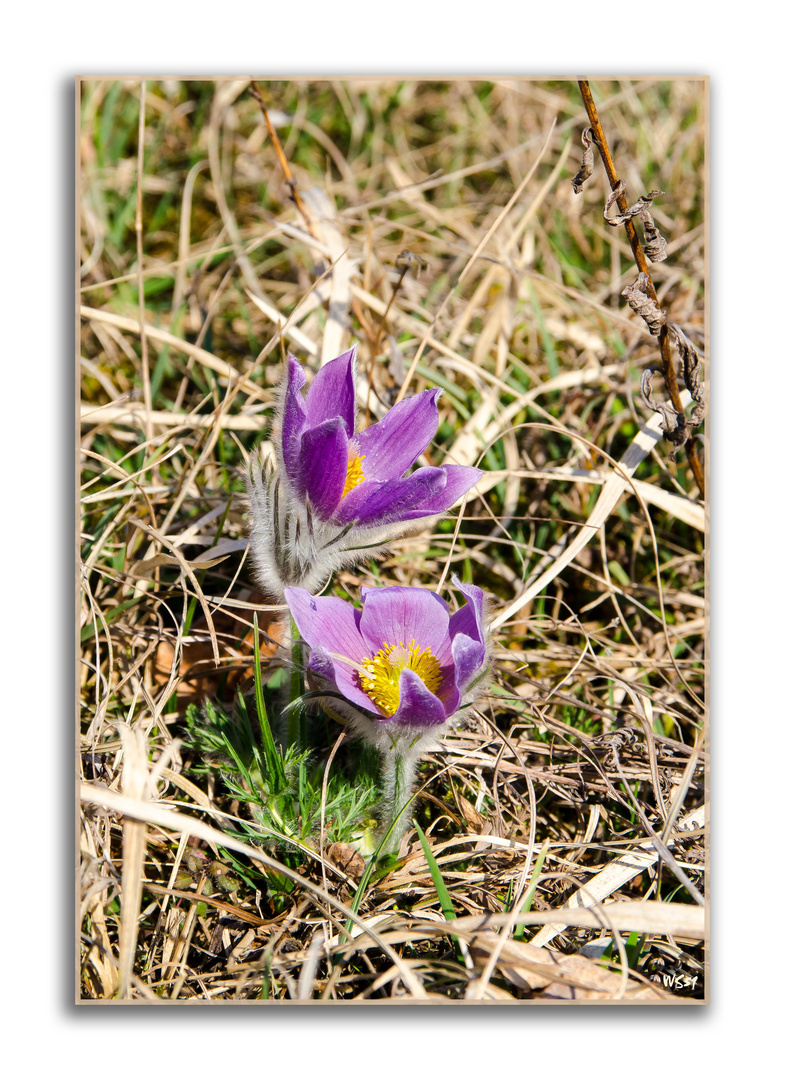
column 380, row 675
column 354, row 473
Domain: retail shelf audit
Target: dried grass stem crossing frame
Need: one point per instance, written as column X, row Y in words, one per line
column 668, row 369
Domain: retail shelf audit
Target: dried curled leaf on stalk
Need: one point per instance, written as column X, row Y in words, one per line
column 587, row 163
column 691, row 373
column 655, row 247
column 675, row 424
column 408, row 260
column 643, row 203
column 621, row 739
column 637, row 296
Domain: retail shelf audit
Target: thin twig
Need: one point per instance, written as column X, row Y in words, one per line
column 291, row 183
column 669, row 372
column 377, row 339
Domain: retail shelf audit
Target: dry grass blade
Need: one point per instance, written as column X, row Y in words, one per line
column 334, row 340
column 134, row 844
column 142, row 811
column 613, row 877
column 186, row 569
column 155, row 334
column 642, row 445
column 677, row 506
column 571, row 978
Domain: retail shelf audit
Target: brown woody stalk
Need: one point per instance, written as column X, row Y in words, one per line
column 668, row 369
column 291, row 183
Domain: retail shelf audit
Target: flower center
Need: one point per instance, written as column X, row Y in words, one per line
column 354, row 472
column 380, row 676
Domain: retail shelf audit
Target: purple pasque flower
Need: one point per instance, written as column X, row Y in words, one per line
column 339, row 494
column 403, row 663
column 358, row 478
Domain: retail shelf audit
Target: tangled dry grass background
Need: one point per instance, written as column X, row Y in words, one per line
column 581, row 776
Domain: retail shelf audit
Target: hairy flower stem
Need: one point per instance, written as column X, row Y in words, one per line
column 399, row 770
column 669, row 372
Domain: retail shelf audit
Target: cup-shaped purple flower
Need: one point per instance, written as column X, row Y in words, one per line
column 358, row 478
column 405, row 665
column 399, row 671
column 338, row 494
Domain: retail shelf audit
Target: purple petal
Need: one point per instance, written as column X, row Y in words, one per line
column 468, row 619
column 293, row 420
column 327, row 623
column 375, row 501
column 399, row 614
column 466, row 633
column 343, row 676
column 324, row 458
column 459, row 479
column 399, row 438
column 331, row 627
column 331, row 393
column 418, row 706
column 469, row 657
column 448, row 692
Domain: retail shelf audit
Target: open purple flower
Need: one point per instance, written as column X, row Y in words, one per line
column 404, row 661
column 340, row 495
column 399, row 671
column 358, row 478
